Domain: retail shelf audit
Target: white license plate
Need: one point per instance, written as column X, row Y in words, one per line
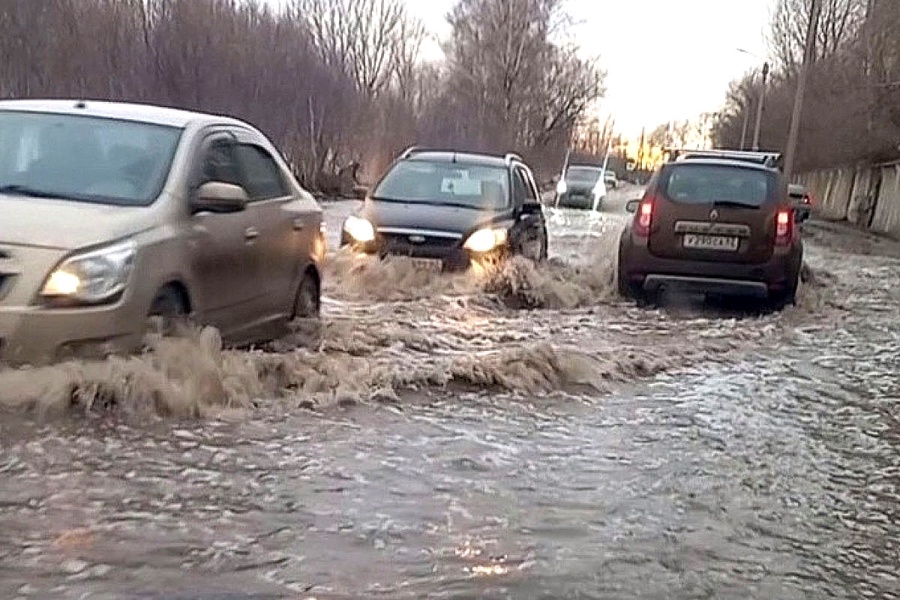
column 711, row 242
column 428, row 264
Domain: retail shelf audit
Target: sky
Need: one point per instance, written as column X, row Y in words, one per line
column 665, row 60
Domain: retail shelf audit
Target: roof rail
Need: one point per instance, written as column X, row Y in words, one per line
column 509, row 157
column 768, row 159
column 410, row 151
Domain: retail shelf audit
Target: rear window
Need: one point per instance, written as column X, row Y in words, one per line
column 705, row 184
column 583, row 174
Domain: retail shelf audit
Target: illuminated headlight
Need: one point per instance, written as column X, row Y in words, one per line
column 94, row 276
column 485, row 240
column 561, row 187
column 359, row 229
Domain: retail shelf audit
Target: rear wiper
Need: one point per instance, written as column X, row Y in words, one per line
column 734, row 203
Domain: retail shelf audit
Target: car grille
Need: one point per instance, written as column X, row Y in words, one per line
column 415, row 245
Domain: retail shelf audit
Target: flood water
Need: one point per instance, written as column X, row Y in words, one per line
column 444, row 442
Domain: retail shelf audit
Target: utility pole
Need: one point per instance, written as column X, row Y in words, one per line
column 809, row 55
column 744, row 128
column 759, row 108
column 641, row 150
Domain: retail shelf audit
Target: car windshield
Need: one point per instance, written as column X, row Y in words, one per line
column 708, row 184
column 583, row 175
column 456, row 184
column 83, row 158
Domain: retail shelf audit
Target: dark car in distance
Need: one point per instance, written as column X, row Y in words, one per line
column 445, row 209
column 582, row 186
column 713, row 224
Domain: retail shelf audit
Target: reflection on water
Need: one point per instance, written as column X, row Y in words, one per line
column 589, row 449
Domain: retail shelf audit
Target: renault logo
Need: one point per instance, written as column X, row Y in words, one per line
column 417, row 239
column 713, row 215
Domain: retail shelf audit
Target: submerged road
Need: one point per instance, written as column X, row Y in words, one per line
column 445, row 444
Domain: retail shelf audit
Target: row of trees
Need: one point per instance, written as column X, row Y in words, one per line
column 331, row 81
column 852, row 104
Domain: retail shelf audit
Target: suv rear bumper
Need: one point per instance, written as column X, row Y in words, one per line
column 640, row 269
column 655, row 283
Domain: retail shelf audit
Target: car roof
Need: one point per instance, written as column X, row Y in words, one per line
column 723, row 162
column 125, row 111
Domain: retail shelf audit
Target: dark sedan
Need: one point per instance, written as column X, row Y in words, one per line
column 447, row 209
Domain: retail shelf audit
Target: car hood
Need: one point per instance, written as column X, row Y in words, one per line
column 63, row 224
column 428, row 216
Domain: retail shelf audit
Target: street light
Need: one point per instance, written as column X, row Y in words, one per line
column 759, row 106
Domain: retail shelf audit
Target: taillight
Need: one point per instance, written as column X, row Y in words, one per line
column 784, row 226
column 643, row 218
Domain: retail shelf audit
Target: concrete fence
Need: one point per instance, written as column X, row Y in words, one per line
column 866, row 196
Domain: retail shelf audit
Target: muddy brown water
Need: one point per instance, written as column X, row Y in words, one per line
column 440, row 444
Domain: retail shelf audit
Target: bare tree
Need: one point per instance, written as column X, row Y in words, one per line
column 332, row 82
column 519, row 88
column 374, row 42
column 839, row 24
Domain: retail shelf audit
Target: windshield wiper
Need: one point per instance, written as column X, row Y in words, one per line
column 426, row 202
column 397, row 200
column 734, row 203
column 30, row 192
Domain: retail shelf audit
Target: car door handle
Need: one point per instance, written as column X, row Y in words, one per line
column 299, row 225
column 251, row 233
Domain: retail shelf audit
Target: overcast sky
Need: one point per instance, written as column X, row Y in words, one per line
column 666, row 59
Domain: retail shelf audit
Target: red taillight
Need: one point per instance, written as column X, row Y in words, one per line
column 784, row 225
column 643, row 218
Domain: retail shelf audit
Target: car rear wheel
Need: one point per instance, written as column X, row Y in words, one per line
column 782, row 299
column 168, row 312
column 307, row 302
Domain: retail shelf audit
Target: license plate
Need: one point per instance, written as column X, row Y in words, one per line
column 711, row 242
column 428, row 264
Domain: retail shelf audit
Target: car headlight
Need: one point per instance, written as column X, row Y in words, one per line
column 485, row 240
column 561, row 187
column 599, row 191
column 359, row 229
column 94, row 276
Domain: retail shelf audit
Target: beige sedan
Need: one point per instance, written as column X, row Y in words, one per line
column 115, row 213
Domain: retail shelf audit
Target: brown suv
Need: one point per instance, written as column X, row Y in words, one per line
column 713, row 224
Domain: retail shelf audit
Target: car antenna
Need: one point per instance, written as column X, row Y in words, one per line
column 454, row 158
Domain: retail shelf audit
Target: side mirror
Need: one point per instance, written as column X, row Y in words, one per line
column 803, row 215
column 219, row 197
column 632, row 205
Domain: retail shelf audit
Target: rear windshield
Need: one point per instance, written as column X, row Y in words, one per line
column 454, row 184
column 583, row 174
column 706, row 184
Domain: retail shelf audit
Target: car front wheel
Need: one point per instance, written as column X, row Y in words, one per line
column 168, row 312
